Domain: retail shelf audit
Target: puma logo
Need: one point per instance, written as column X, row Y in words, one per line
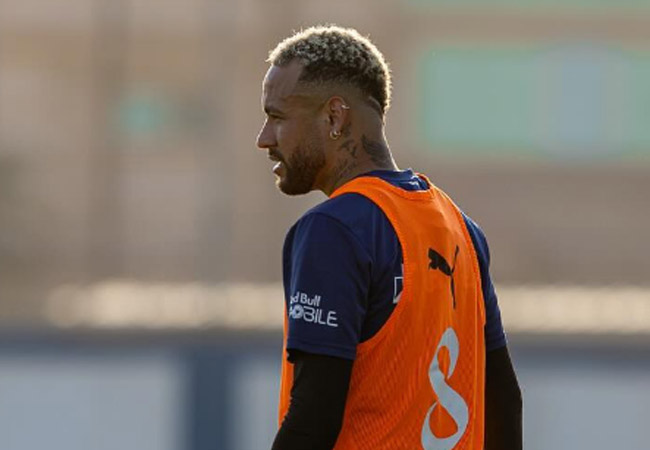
column 436, row 261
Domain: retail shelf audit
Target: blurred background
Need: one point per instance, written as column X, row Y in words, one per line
column 140, row 229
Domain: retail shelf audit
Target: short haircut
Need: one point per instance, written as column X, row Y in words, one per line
column 340, row 55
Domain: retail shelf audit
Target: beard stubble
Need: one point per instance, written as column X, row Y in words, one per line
column 302, row 168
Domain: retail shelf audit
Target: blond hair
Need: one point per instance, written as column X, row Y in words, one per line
column 332, row 54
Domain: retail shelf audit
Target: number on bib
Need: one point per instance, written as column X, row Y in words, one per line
column 448, row 399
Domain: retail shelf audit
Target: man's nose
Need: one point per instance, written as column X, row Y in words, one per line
column 265, row 138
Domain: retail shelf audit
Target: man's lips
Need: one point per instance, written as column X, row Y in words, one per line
column 277, row 167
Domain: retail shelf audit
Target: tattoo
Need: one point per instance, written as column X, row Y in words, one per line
column 343, row 169
column 378, row 153
column 349, row 146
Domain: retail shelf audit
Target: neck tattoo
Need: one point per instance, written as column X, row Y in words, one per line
column 377, row 151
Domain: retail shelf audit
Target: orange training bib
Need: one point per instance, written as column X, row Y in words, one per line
column 419, row 382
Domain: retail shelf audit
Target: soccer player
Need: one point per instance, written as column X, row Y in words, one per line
column 393, row 336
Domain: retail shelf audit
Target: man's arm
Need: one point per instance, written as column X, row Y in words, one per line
column 326, row 262
column 503, row 403
column 320, row 388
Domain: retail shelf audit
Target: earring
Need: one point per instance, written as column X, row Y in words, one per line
column 335, row 134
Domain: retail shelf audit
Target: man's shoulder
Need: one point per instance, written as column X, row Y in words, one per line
column 348, row 209
column 348, row 217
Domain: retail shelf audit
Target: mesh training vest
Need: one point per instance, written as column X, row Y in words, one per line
column 419, row 382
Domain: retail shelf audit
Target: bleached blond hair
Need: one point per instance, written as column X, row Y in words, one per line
column 332, row 54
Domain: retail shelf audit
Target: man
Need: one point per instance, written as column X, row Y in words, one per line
column 393, row 337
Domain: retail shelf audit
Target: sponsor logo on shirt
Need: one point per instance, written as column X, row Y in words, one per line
column 309, row 309
column 398, row 285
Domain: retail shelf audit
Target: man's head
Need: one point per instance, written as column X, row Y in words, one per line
column 316, row 77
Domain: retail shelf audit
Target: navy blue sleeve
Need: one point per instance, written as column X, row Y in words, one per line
column 327, row 277
column 494, row 335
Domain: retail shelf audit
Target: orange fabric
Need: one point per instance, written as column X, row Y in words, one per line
column 427, row 363
column 286, row 377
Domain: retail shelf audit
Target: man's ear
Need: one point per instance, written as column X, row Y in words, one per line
column 338, row 112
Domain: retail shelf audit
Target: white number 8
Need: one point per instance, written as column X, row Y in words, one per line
column 449, row 399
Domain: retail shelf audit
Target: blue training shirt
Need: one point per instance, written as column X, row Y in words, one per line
column 342, row 271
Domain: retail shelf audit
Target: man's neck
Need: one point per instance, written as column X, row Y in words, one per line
column 361, row 148
column 374, row 154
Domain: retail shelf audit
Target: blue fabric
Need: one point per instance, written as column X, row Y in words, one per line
column 494, row 335
column 342, row 269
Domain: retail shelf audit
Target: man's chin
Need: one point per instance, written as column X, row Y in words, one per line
column 291, row 189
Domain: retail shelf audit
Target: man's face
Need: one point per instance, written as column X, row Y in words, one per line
column 290, row 133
